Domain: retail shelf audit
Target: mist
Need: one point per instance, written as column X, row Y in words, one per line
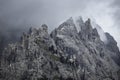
column 17, row 16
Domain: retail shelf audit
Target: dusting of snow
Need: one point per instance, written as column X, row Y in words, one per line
column 60, row 36
column 62, row 28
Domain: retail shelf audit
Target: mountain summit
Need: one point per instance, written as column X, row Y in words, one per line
column 65, row 54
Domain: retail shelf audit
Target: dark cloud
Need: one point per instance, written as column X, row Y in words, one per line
column 36, row 12
column 17, row 16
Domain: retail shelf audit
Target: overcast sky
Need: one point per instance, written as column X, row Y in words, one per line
column 18, row 15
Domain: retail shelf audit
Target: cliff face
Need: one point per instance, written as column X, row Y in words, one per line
column 65, row 54
column 112, row 46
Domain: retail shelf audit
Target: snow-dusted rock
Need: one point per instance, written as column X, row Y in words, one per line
column 65, row 54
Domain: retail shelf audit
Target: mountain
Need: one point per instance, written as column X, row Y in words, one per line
column 64, row 54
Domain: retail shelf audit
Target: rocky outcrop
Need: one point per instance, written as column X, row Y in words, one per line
column 65, row 54
column 112, row 46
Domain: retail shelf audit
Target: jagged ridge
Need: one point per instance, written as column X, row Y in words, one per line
column 65, row 54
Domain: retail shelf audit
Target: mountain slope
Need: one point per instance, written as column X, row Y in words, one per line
column 65, row 54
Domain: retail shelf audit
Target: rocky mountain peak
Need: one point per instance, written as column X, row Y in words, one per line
column 87, row 32
column 44, row 27
column 69, row 21
column 88, row 26
column 88, row 21
column 65, row 54
column 67, row 28
column 68, row 24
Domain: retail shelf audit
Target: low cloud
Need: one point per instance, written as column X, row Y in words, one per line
column 16, row 16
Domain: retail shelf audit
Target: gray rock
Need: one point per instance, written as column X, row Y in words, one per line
column 65, row 54
column 112, row 46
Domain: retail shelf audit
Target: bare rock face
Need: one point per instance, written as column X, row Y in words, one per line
column 112, row 46
column 65, row 54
